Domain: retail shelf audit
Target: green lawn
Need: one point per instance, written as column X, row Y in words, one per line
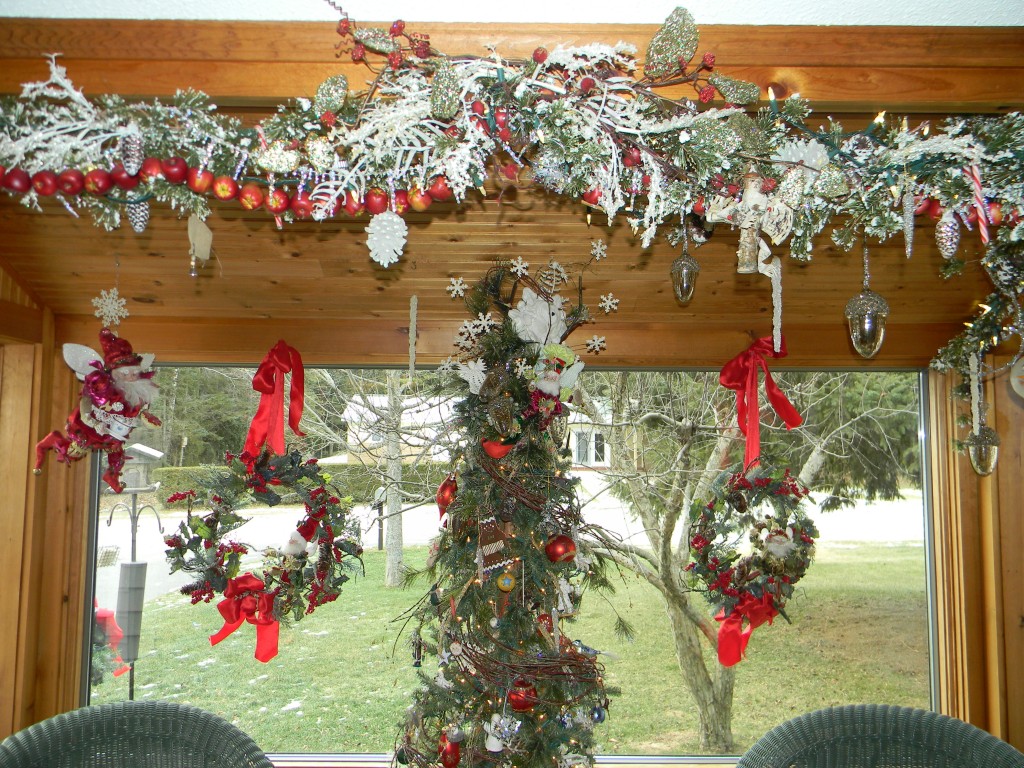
column 344, row 675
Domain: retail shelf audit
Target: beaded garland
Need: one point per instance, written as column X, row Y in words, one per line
column 768, row 507
column 304, row 573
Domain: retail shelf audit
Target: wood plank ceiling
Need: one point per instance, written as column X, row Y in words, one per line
column 314, row 284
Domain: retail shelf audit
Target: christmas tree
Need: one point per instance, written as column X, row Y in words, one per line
column 513, row 559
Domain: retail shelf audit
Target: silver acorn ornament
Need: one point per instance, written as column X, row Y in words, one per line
column 947, row 235
column 866, row 314
column 138, row 216
column 983, row 450
column 684, row 277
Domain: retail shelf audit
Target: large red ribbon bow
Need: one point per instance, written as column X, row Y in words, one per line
column 740, row 374
column 732, row 635
column 246, row 599
column 267, row 425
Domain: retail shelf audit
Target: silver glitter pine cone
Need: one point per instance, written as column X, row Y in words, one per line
column 947, row 235
column 138, row 216
column 684, row 273
column 866, row 314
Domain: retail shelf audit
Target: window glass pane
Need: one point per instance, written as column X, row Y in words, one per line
column 345, row 674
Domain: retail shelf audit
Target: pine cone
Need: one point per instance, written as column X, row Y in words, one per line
column 947, row 235
column 138, row 215
column 132, row 153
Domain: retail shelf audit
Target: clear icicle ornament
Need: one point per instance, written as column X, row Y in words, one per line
column 983, row 442
column 908, row 222
column 947, row 235
column 866, row 314
column 684, row 271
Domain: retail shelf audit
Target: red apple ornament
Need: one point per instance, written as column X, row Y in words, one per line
column 71, row 181
column 224, row 188
column 376, row 201
column 250, row 196
column 174, row 169
column 199, row 180
column 17, row 180
column 45, row 183
column 98, row 181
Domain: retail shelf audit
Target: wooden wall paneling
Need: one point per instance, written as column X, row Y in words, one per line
column 50, row 622
column 959, row 610
column 1008, row 419
column 16, row 378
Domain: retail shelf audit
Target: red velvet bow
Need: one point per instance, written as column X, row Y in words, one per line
column 267, row 425
column 740, row 374
column 732, row 637
column 246, row 600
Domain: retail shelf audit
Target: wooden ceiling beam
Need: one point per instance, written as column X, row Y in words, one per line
column 262, row 64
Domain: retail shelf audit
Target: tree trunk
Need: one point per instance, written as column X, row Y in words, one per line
column 712, row 693
column 393, row 564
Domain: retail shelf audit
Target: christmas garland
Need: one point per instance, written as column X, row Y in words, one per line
column 308, row 570
column 752, row 588
column 582, row 122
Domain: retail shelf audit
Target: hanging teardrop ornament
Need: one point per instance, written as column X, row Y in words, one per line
column 866, row 315
column 685, row 270
column 947, row 235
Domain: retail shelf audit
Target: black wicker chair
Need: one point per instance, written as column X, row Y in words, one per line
column 132, row 734
column 878, row 736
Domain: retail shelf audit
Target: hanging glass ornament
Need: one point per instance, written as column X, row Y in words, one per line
column 446, row 493
column 684, row 276
column 983, row 450
column 947, row 235
column 866, row 314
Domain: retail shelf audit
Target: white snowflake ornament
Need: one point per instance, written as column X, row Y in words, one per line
column 520, row 267
column 609, row 303
column 110, row 308
column 595, row 344
column 387, row 232
column 598, row 249
column 457, row 287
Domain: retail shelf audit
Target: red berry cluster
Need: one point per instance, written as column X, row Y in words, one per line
column 416, row 44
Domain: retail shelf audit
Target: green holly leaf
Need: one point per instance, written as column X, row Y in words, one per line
column 735, row 91
column 376, row 39
column 676, row 41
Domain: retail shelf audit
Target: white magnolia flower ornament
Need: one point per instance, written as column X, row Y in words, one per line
column 537, row 319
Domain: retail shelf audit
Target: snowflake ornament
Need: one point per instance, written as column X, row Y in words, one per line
column 110, row 308
column 386, row 241
column 598, row 249
column 519, row 267
column 595, row 344
column 521, row 367
column 447, row 366
column 609, row 303
column 457, row 287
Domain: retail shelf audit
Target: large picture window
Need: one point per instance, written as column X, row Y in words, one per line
column 641, row 444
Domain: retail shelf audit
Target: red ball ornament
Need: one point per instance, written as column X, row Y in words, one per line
column 448, row 752
column 496, row 449
column 523, row 696
column 446, row 493
column 560, row 549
